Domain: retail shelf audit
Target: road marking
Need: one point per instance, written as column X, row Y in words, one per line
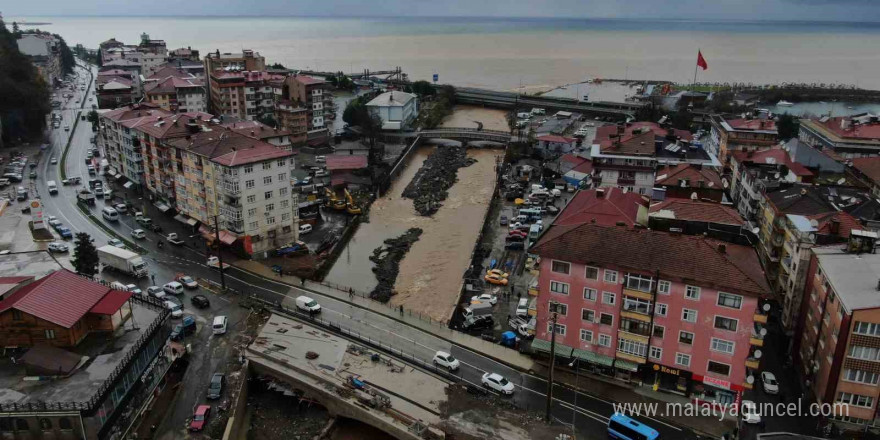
column 595, row 416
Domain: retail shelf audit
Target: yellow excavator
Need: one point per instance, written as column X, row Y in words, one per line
column 332, row 201
column 350, row 206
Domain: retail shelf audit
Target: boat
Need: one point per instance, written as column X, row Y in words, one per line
column 784, row 103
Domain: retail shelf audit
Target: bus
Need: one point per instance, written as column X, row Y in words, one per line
column 625, row 428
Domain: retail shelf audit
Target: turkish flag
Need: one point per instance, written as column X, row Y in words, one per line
column 701, row 61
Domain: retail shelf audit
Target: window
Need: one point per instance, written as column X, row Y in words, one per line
column 50, row 334
column 282, row 192
column 638, row 282
column 252, row 212
column 560, row 329
column 722, row 346
column 285, row 217
column 267, row 165
column 270, row 220
column 688, row 315
column 656, row 353
column 251, row 198
column 659, row 331
column 606, row 319
column 64, row 424
column 270, row 206
column 589, row 294
column 562, row 309
column 724, row 323
column 867, row 328
column 285, row 204
column 281, row 162
column 586, row 336
column 267, row 180
column 254, row 225
column 636, row 305
column 604, row 340
column 248, row 169
column 860, row 376
column 557, row 287
column 268, row 195
column 634, row 348
column 661, row 309
column 282, row 176
column 866, row 353
column 663, row 287
column 592, row 273
column 610, row 276
column 560, row 267
column 718, row 368
column 683, row 359
column 686, row 337
column 692, row 292
column 608, row 298
column 249, row 184
column 856, row 399
column 588, row 315
column 730, row 300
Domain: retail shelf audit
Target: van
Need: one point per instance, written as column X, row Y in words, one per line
column 53, row 188
column 305, row 228
column 21, row 193
column 173, row 288
column 219, row 325
column 522, row 307
column 110, row 214
column 320, row 159
column 307, row 305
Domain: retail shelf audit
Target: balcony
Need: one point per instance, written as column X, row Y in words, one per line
column 753, row 363
column 637, row 294
column 236, row 226
column 231, row 213
column 637, row 307
column 635, row 316
column 758, row 334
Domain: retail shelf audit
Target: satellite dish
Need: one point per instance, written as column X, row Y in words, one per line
column 766, row 306
column 763, row 331
column 814, row 223
column 750, row 379
column 756, row 230
column 841, row 181
column 694, row 196
column 758, row 354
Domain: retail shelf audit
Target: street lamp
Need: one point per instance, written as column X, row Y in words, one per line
column 219, row 254
column 553, row 316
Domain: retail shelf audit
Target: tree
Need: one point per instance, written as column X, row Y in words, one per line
column 787, row 126
column 15, row 29
column 352, row 109
column 85, row 255
column 423, row 88
column 681, row 119
column 93, row 117
column 278, row 66
column 268, row 119
column 24, row 94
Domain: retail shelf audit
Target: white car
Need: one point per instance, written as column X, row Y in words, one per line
column 749, row 412
column 188, row 282
column 768, row 381
column 156, row 292
column 139, row 234
column 116, row 242
column 134, row 289
column 53, row 161
column 486, row 297
column 173, row 288
column 120, row 208
column 444, row 359
column 175, row 308
column 498, row 383
column 58, row 247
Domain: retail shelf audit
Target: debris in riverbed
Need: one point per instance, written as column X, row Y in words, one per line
column 387, row 260
column 430, row 185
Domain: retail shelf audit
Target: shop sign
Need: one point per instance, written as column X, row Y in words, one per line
column 667, row 370
column 716, row 382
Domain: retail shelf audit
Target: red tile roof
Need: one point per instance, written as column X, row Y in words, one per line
column 686, row 209
column 869, row 166
column 111, row 303
column 772, row 156
column 258, row 153
column 612, row 207
column 605, row 133
column 671, row 174
column 695, row 259
column 846, row 223
column 860, row 131
column 307, row 80
column 752, row 124
column 346, row 162
column 572, row 159
column 555, row 138
column 61, row 297
column 586, row 167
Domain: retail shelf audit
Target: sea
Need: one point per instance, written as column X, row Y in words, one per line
column 518, row 53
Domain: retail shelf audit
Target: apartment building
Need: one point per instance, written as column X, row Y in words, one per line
column 845, row 137
column 115, row 88
column 176, row 90
column 242, row 94
column 754, row 172
column 294, row 119
column 162, row 161
column 836, row 352
column 120, row 141
column 744, row 134
column 313, row 95
column 149, row 54
column 242, row 179
column 247, row 60
column 686, row 181
column 867, row 171
column 679, row 311
column 792, row 220
column 258, row 130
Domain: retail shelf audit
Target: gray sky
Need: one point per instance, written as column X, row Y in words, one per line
column 833, row 10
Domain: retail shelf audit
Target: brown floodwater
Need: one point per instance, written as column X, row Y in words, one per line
column 431, row 273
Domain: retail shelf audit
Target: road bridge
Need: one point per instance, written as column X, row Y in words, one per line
column 466, row 134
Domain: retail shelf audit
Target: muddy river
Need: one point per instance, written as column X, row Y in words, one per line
column 431, row 273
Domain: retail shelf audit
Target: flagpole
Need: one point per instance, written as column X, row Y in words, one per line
column 696, row 65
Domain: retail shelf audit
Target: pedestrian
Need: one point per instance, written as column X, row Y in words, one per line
column 302, row 282
column 401, row 310
column 517, row 296
column 153, row 277
column 350, row 293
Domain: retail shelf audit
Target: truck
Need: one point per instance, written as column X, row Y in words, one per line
column 86, row 196
column 122, row 260
column 214, row 262
column 174, row 239
column 53, row 187
column 475, row 311
column 523, row 326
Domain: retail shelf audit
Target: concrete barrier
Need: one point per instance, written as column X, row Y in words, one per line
column 238, row 412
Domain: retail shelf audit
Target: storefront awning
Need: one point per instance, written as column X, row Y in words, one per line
column 186, row 220
column 544, row 346
column 111, row 172
column 227, row 237
column 626, row 365
column 119, row 177
column 593, row 358
column 162, row 207
column 128, row 184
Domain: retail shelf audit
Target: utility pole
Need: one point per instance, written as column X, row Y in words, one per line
column 219, row 254
column 553, row 317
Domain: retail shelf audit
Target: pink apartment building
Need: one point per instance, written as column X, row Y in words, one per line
column 678, row 311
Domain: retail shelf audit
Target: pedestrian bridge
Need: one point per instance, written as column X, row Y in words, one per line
column 466, row 134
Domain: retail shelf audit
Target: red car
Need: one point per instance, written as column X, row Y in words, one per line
column 200, row 418
column 517, row 232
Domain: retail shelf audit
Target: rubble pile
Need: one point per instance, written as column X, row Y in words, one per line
column 387, row 260
column 431, row 183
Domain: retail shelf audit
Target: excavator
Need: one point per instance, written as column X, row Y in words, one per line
column 350, row 206
column 332, row 201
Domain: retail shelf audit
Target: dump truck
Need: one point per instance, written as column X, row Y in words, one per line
column 122, row 260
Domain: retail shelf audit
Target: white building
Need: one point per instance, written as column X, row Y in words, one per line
column 397, row 109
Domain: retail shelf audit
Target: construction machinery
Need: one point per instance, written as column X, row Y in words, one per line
column 333, row 201
column 349, row 205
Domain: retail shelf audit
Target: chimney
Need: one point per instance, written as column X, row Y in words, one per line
column 600, row 193
column 722, row 248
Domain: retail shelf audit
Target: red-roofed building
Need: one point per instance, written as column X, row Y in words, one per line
column 241, row 93
column 59, row 309
column 732, row 135
column 176, row 90
column 754, row 171
column 867, row 170
column 693, row 217
column 686, row 180
column 552, row 145
column 337, row 162
column 605, row 206
column 313, row 95
column 848, row 137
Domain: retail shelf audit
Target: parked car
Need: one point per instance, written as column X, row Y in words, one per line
column 494, row 278
column 175, row 308
column 486, row 297
column 498, row 383
column 187, row 326
column 58, row 247
column 305, row 229
column 769, row 383
column 53, row 160
column 446, row 360
column 173, row 288
column 200, row 417
column 200, row 301
column 54, row 222
column 138, row 234
column 156, row 292
column 215, row 389
column 188, row 282
column 64, row 232
column 307, row 304
column 749, row 411
column 503, row 220
column 121, row 208
column 134, row 289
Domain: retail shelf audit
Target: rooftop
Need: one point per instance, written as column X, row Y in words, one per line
column 853, row 276
column 869, row 167
column 606, row 206
column 693, row 210
column 606, row 133
column 29, row 264
column 392, row 99
column 255, row 129
column 811, row 200
column 555, row 138
column 756, row 124
column 702, row 260
column 227, row 147
column 337, row 162
column 862, row 127
column 307, row 80
column 696, row 176
column 772, row 156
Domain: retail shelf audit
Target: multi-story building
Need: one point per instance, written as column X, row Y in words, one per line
column 163, row 162
column 676, row 310
column 175, row 90
column 242, row 179
column 44, row 52
column 258, row 130
column 120, row 142
column 149, row 54
column 396, row 109
column 754, row 172
column 313, row 95
column 793, row 219
column 133, row 70
column 184, row 54
column 836, row 351
column 247, row 60
column 242, row 94
column 686, row 181
column 867, row 171
column 745, row 134
column 846, row 137
column 294, row 119
column 115, row 88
